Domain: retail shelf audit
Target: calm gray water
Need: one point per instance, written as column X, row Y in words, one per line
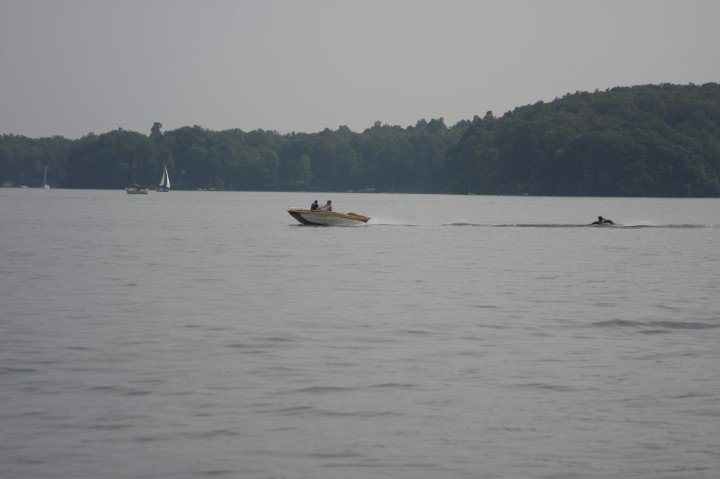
column 206, row 334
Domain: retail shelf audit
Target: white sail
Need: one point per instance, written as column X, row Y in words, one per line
column 45, row 183
column 164, row 181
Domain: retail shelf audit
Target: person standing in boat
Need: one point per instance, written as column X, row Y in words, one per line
column 327, row 206
column 315, row 206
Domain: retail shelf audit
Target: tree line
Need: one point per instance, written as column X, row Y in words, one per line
column 651, row 140
column 382, row 158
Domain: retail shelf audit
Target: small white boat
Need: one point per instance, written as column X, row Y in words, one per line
column 133, row 188
column 327, row 218
column 136, row 190
column 164, row 186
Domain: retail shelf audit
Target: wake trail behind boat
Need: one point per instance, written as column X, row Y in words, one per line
column 392, row 222
column 634, row 224
column 627, row 225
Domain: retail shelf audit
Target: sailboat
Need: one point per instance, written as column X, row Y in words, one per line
column 133, row 188
column 45, row 183
column 136, row 190
column 164, row 186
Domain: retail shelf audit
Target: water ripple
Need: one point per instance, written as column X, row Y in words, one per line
column 662, row 324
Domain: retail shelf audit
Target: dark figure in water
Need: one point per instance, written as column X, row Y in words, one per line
column 602, row 221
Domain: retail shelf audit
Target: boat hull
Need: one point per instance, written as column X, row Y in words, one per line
column 136, row 191
column 327, row 218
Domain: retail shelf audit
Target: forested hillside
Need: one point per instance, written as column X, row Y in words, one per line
column 382, row 158
column 638, row 141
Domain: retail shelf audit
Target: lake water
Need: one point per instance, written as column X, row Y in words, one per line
column 207, row 334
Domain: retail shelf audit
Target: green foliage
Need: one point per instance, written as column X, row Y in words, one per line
column 23, row 160
column 387, row 158
column 641, row 141
column 113, row 160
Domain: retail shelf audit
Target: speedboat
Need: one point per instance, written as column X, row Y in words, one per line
column 327, row 218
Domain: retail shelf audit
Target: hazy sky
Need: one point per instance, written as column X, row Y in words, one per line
column 71, row 67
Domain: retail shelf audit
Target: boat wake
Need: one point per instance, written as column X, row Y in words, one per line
column 392, row 222
column 568, row 225
column 463, row 223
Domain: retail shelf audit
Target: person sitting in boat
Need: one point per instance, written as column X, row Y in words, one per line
column 314, row 206
column 327, row 206
column 602, row 221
